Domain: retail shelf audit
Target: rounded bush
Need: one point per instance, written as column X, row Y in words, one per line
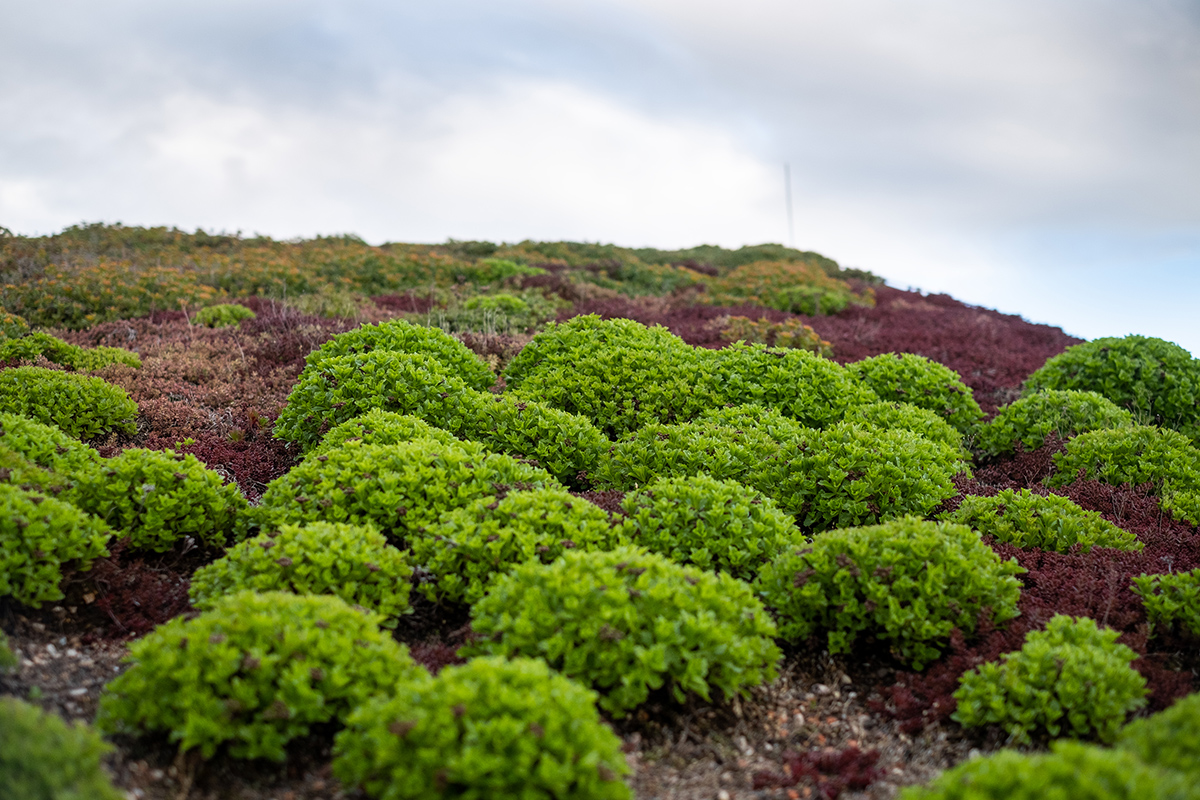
column 626, row 622
column 89, row 359
column 382, row 427
column 804, row 386
column 42, row 757
column 488, row 728
column 157, row 497
column 1172, row 599
column 38, row 535
column 1031, row 419
column 47, row 447
column 909, row 582
column 1047, row 522
column 81, row 406
column 750, row 416
column 1071, row 771
column 353, row 562
column 254, row 672
column 340, row 388
column 1158, row 381
column 12, row 325
column 712, row 524
column 399, row 488
column 907, row 417
column 223, row 315
column 909, row 378
column 399, row 336
column 55, row 350
column 1169, row 739
column 469, row 546
column 854, row 475
column 1072, row 679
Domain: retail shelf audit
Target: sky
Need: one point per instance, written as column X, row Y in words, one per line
column 1041, row 157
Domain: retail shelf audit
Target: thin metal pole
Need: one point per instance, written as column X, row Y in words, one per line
column 787, row 191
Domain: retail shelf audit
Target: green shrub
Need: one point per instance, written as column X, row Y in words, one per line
column 626, row 622
column 1047, row 522
column 1034, row 417
column 488, row 728
column 352, row 562
column 852, row 475
column 399, row 488
column 470, row 546
column 1169, row 739
column 8, row 659
column 909, row 582
column 1171, row 599
column 89, row 359
column 340, row 388
column 907, row 417
column 12, row 326
column 38, row 535
column 804, row 386
column 47, row 447
column 1156, row 380
column 1071, row 771
column 254, row 672
column 223, row 315
column 749, row 416
column 494, row 270
column 713, row 524
column 156, row 497
column 560, row 343
column 789, row 333
column 909, row 378
column 81, row 406
column 57, row 351
column 492, row 314
column 44, row 758
column 399, row 336
column 382, row 427
column 1072, row 679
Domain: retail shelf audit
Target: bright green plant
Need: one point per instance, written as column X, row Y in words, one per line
column 399, row 336
column 789, row 333
column 38, row 536
column 908, row 582
column 81, row 406
column 353, row 562
column 909, row 378
column 1171, row 599
column 57, row 351
column 89, row 359
column 469, row 546
column 1169, row 739
column 1072, row 679
column 254, row 672
column 382, row 427
column 47, row 447
column 627, row 621
column 398, row 488
column 156, row 497
column 1159, row 382
column 12, row 326
column 769, row 421
column 1071, row 771
column 1048, row 522
column 42, row 757
column 494, row 270
column 907, row 417
column 713, row 524
column 223, row 315
column 488, row 728
column 804, row 386
column 1031, row 419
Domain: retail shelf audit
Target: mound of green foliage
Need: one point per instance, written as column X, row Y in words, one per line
column 1065, row 412
column 382, row 427
column 909, row 582
column 801, row 385
column 1156, row 380
column 353, row 562
column 157, row 497
column 1171, row 599
column 254, row 672
column 12, row 326
column 399, row 488
column 1047, row 522
column 907, row 417
column 627, row 621
column 339, row 388
column 488, row 728
column 713, row 524
column 55, row 350
column 399, row 336
column 909, row 378
column 494, row 270
column 42, row 757
column 45, row 447
column 1071, row 679
column 1070, row 771
column 1169, row 739
column 469, row 546
column 81, row 406
column 223, row 315
column 750, row 416
column 39, row 535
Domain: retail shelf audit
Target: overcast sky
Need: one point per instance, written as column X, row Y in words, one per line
column 1037, row 156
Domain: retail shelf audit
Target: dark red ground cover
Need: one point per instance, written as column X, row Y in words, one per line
column 833, row 771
